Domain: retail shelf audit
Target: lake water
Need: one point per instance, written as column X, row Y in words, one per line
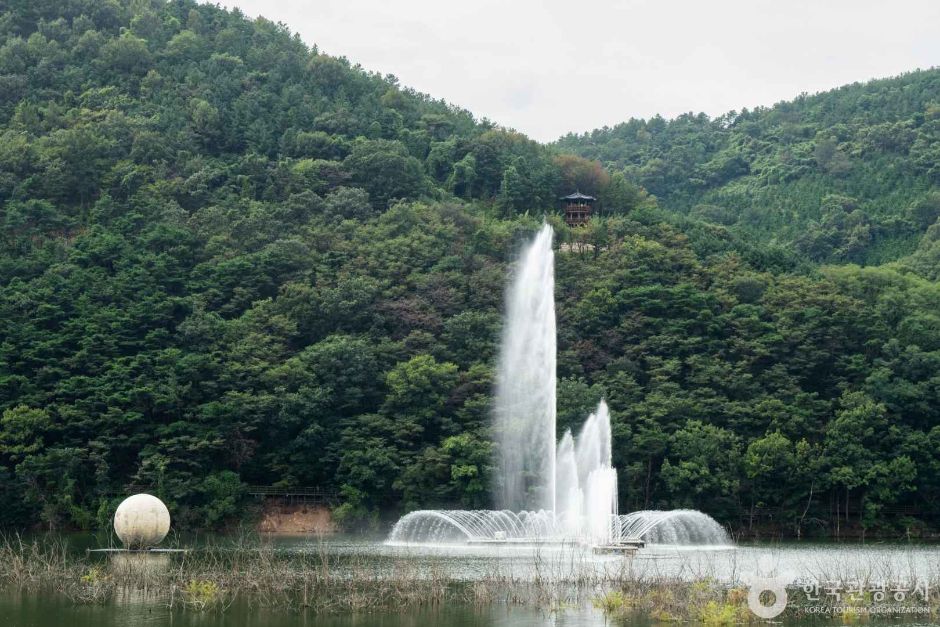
column 794, row 562
column 17, row 611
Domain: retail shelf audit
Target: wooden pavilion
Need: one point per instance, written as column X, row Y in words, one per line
column 578, row 208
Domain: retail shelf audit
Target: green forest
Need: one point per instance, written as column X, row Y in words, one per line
column 846, row 176
column 228, row 259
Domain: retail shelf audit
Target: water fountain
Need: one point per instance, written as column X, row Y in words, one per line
column 524, row 406
column 548, row 491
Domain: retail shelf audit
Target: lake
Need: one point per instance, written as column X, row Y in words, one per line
column 834, row 568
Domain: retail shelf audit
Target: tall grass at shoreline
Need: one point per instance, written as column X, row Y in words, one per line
column 256, row 574
column 213, row 577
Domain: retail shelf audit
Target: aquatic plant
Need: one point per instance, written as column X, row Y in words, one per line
column 202, row 594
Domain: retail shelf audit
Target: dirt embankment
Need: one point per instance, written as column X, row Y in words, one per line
column 280, row 517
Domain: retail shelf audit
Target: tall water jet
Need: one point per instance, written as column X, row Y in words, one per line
column 593, row 448
column 524, row 408
column 595, row 467
column 569, row 497
column 586, row 481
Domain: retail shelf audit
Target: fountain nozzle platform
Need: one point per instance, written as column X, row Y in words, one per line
column 627, row 546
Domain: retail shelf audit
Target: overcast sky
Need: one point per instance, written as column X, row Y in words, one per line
column 547, row 68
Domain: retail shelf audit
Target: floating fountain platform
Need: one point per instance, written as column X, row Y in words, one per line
column 520, row 542
column 621, row 547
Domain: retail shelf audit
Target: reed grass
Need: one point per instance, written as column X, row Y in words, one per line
column 213, row 577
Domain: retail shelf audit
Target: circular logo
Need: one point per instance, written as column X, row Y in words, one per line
column 775, row 587
column 761, row 584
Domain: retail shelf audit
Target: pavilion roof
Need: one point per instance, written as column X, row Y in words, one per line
column 578, row 196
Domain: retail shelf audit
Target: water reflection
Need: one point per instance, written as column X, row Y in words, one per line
column 33, row 610
column 138, row 563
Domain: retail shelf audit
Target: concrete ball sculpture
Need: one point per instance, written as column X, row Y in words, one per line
column 141, row 521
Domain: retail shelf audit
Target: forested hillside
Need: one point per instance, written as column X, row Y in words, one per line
column 228, row 259
column 848, row 175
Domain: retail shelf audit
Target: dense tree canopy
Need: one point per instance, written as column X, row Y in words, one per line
column 228, row 259
column 848, row 175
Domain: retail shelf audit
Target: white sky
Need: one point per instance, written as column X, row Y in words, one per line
column 547, row 68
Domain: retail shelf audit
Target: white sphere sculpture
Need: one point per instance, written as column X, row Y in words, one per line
column 141, row 521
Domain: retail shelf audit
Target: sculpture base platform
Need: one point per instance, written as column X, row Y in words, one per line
column 143, row 551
